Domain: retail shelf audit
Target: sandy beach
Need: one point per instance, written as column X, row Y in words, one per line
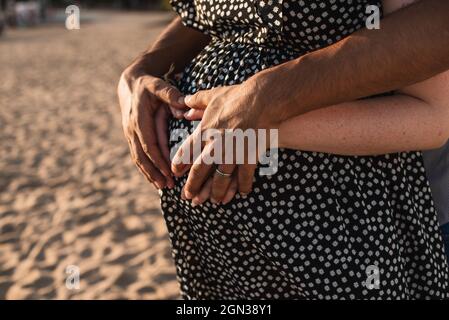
column 69, row 193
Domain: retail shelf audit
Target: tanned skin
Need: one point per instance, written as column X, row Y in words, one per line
column 412, row 45
column 145, row 99
column 366, row 63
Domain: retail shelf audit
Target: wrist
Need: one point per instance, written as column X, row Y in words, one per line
column 280, row 90
column 148, row 64
column 255, row 88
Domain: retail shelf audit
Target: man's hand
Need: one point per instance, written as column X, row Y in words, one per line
column 223, row 110
column 144, row 102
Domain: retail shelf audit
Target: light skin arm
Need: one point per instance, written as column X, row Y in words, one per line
column 370, row 127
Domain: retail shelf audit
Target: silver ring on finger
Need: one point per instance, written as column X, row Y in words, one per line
column 226, row 175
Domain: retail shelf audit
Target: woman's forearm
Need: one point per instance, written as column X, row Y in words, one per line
column 177, row 45
column 368, row 127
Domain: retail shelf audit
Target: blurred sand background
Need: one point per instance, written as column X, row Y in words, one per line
column 69, row 193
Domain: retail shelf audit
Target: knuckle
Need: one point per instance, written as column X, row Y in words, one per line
column 157, row 85
column 168, row 92
column 214, row 100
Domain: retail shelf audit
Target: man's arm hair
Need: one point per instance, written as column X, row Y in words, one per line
column 412, row 45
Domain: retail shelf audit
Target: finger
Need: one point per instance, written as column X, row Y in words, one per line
column 245, row 178
column 161, row 122
column 194, row 114
column 141, row 170
column 199, row 100
column 204, row 194
column 144, row 164
column 133, row 152
column 166, row 93
column 247, row 169
column 187, row 153
column 198, row 174
column 232, row 190
column 178, row 114
column 221, row 181
column 146, row 132
column 183, row 194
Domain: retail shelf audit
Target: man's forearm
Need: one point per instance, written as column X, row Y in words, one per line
column 176, row 45
column 411, row 46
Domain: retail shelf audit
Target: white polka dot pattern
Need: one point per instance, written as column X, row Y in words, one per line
column 311, row 230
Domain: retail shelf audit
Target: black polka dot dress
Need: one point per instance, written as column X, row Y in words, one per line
column 322, row 227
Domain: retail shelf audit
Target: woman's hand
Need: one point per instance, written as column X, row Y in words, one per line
column 225, row 109
column 144, row 102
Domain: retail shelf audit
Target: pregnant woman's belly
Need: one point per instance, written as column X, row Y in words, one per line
column 313, row 229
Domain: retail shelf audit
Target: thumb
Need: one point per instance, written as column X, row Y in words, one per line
column 199, row 100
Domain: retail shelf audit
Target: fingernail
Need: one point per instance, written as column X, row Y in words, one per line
column 189, row 113
column 194, row 204
column 213, row 201
column 181, row 100
column 188, row 195
column 187, row 99
column 244, row 195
